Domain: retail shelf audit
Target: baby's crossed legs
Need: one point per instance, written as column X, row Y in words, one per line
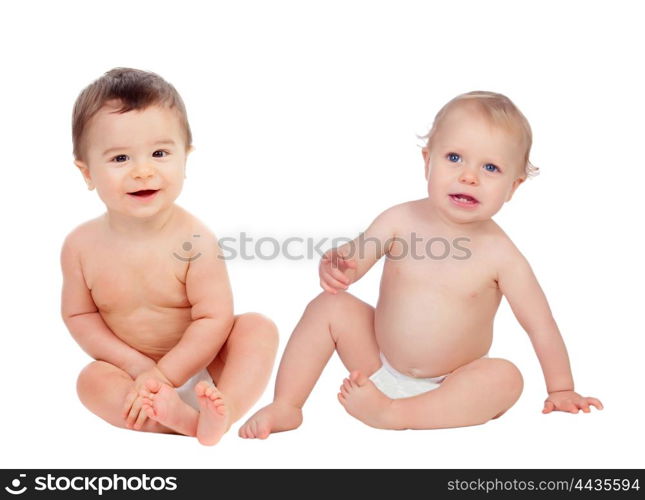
column 241, row 369
column 471, row 395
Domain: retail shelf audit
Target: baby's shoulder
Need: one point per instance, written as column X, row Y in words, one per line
column 392, row 220
column 409, row 208
column 499, row 245
column 83, row 233
column 188, row 225
column 403, row 212
column 194, row 237
column 77, row 242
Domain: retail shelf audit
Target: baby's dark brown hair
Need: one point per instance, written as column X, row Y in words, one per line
column 130, row 89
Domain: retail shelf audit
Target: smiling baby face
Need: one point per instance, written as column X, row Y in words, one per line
column 136, row 160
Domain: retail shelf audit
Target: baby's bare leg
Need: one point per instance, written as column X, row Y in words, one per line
column 341, row 322
column 102, row 388
column 241, row 371
column 471, row 395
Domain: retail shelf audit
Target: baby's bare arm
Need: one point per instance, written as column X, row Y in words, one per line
column 528, row 302
column 348, row 263
column 84, row 322
column 209, row 292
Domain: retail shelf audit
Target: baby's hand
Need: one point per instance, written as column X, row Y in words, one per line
column 134, row 417
column 336, row 271
column 569, row 401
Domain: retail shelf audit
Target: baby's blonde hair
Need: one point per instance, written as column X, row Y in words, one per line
column 499, row 110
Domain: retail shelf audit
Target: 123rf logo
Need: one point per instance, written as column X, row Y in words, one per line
column 96, row 484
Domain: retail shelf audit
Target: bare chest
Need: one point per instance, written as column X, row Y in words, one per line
column 124, row 279
column 451, row 269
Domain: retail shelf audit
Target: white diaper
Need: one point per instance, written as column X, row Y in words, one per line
column 396, row 385
column 187, row 391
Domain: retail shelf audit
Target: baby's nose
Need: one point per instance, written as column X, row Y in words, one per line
column 143, row 170
column 468, row 177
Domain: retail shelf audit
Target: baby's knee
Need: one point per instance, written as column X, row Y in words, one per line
column 89, row 374
column 510, row 377
column 92, row 377
column 256, row 327
column 329, row 303
column 88, row 379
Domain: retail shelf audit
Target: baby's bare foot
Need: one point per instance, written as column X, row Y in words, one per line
column 364, row 401
column 162, row 404
column 214, row 415
column 276, row 417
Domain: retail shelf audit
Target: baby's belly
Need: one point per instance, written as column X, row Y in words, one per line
column 432, row 336
column 151, row 330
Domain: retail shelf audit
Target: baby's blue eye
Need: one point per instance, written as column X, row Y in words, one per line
column 120, row 158
column 160, row 153
column 453, row 157
column 489, row 167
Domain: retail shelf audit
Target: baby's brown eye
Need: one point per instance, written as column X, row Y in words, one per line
column 160, row 153
column 120, row 158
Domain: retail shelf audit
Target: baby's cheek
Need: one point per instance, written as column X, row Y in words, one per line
column 175, row 186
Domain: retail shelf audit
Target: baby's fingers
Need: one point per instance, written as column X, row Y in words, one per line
column 548, row 407
column 582, row 404
column 331, row 288
column 595, row 403
column 127, row 405
column 327, row 288
column 351, row 263
column 569, row 406
column 133, row 414
column 328, row 255
column 141, row 418
column 332, row 282
column 338, row 275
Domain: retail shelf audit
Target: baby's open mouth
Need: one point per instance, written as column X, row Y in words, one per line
column 464, row 199
column 144, row 192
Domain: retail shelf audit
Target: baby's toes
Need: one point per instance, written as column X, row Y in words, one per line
column 358, row 378
column 261, row 427
column 219, row 406
column 213, row 393
column 153, row 385
column 251, row 430
column 201, row 388
column 216, row 397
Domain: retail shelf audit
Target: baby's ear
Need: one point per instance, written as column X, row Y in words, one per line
column 85, row 171
column 516, row 184
column 189, row 150
column 426, row 161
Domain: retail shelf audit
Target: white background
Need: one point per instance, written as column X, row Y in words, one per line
column 305, row 117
